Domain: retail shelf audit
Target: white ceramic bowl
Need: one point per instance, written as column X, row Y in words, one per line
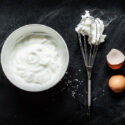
column 23, row 32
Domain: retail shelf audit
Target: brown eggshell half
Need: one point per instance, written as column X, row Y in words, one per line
column 115, row 59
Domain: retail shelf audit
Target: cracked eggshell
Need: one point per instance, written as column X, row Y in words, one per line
column 115, row 59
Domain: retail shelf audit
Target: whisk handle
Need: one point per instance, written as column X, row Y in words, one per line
column 89, row 93
column 89, row 71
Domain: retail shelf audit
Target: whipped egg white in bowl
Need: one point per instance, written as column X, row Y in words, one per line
column 34, row 57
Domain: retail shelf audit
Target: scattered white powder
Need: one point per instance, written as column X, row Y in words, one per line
column 75, row 87
column 76, row 80
column 69, row 81
column 79, row 70
column 103, row 90
column 72, row 85
column 73, row 94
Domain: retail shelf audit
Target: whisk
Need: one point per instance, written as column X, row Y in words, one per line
column 89, row 53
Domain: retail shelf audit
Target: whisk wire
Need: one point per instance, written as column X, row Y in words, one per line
column 86, row 52
column 81, row 47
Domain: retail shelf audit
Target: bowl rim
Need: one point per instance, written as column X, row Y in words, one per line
column 50, row 85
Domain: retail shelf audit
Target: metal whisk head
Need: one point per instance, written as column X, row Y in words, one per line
column 89, row 53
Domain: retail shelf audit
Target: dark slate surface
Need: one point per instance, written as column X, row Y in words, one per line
column 66, row 103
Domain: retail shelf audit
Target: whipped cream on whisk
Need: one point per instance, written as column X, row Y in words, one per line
column 91, row 27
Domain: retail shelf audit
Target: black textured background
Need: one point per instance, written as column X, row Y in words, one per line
column 66, row 103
